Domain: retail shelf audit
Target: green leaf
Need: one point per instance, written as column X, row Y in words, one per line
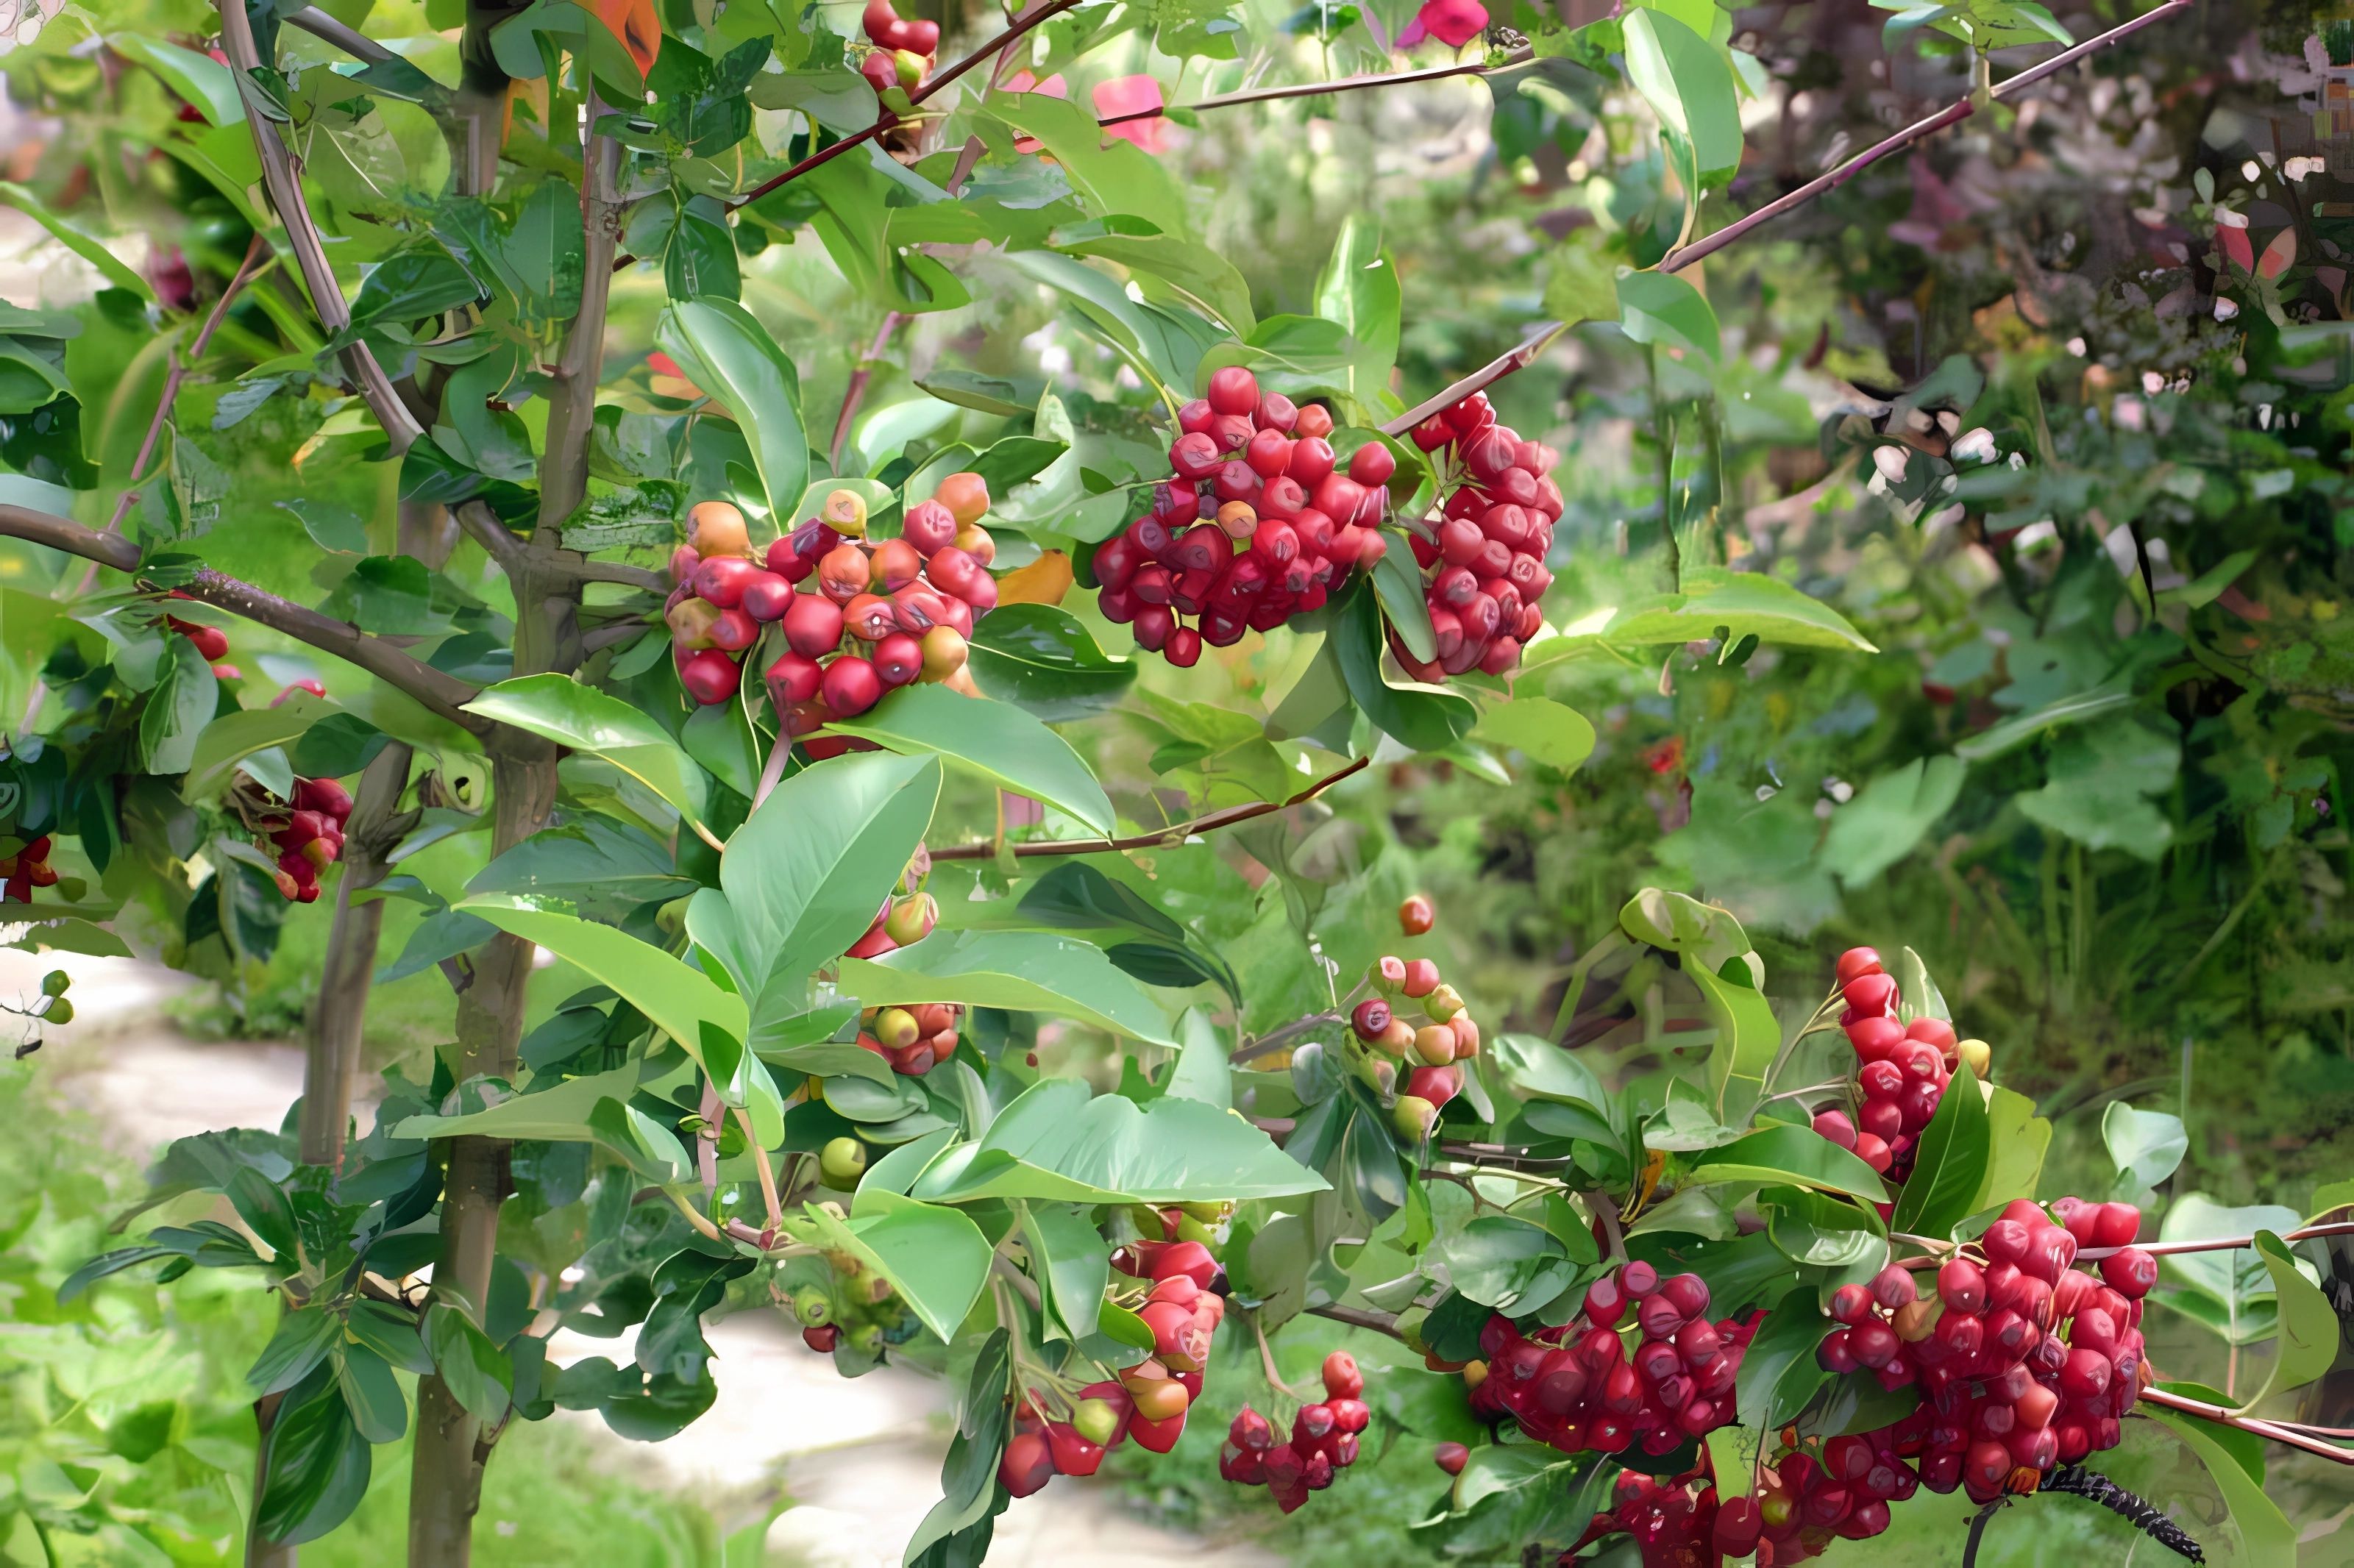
column 677, row 997
column 2263, row 1529
column 1068, row 1259
column 2146, row 1147
column 2099, row 782
column 2235, row 1281
column 1536, row 1069
column 1042, row 661
column 317, row 1470
column 935, row 1257
column 558, row 708
column 1749, row 604
column 805, row 875
column 1022, row 972
column 604, row 869
column 1688, row 85
column 1202, row 1071
column 995, row 739
column 1779, row 1372
column 1888, row 816
column 303, row 1338
column 1541, row 729
column 2017, row 1139
column 1748, row 1037
column 372, row 1393
column 92, row 249
column 1419, row 717
column 179, row 709
column 1359, row 290
column 1950, row 1163
column 391, row 1334
column 1918, row 996
column 2309, row 1324
column 199, row 79
column 476, row 1371
column 558, row 1114
column 720, row 347
column 1662, row 310
column 1989, row 744
column 1797, row 1155
column 1507, row 1264
column 1056, row 1144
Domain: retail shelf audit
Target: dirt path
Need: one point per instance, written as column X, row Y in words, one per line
column 861, row 1457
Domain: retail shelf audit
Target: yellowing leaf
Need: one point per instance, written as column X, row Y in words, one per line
column 1044, row 581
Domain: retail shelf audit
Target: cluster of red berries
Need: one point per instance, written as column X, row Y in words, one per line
column 1902, row 1068
column 913, row 1039
column 904, row 51
column 1425, row 1052
column 857, row 616
column 26, row 868
column 1583, row 1386
column 211, row 641
column 310, row 838
column 1055, row 1434
column 853, row 1308
column 1483, row 561
column 1323, row 1439
column 1259, row 524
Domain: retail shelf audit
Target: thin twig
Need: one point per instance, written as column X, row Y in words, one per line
column 699, row 1221
column 1532, row 343
column 1952, row 114
column 1275, row 1039
column 855, row 393
column 283, row 182
column 181, row 363
column 2217, row 1244
column 352, row 41
column 445, row 694
column 1019, row 1280
column 1519, row 57
column 1358, row 1317
column 2222, row 1416
column 1266, row 1360
column 1978, row 1531
column 768, row 1177
column 1175, row 834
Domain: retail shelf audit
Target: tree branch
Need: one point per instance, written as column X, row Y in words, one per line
column 444, row 694
column 855, row 393
column 1359, row 1317
column 2217, row 1244
column 1519, row 357
column 2292, row 1436
column 283, row 182
column 171, row 394
column 1277, row 1038
column 1952, row 114
column 352, row 41
column 1176, row 833
column 1519, row 57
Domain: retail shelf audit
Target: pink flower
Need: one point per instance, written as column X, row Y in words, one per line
column 1454, row 22
column 1132, row 95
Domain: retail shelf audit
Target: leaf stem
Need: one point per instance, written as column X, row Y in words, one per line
column 768, row 1177
column 1168, row 837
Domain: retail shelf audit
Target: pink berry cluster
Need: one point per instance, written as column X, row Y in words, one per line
column 904, row 51
column 913, row 1039
column 906, row 916
column 1058, row 1434
column 857, row 617
column 1259, row 522
column 1323, row 1439
column 1902, row 1068
column 2023, row 1361
column 309, row 835
column 1483, row 560
column 1424, row 1053
column 1584, row 1386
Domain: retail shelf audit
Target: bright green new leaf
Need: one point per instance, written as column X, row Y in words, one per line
column 935, row 1257
column 995, row 739
column 1662, row 310
column 725, row 351
column 1023, row 971
column 1543, row 730
column 558, row 708
column 1688, row 86
column 678, row 998
column 1797, row 1155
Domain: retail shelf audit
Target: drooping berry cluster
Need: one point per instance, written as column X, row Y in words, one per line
column 913, row 1039
column 309, row 834
column 848, row 1305
column 1259, row 525
column 867, row 617
column 1483, row 559
column 1586, row 1386
column 904, row 51
column 1902, row 1068
column 26, row 867
column 1424, row 1052
column 1323, row 1439
column 1055, row 1434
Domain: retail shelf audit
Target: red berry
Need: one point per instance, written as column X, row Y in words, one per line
column 709, row 675
column 2130, row 1273
column 1027, row 1465
column 1856, row 962
column 1451, row 1457
column 1233, row 390
column 1834, row 1126
column 851, row 686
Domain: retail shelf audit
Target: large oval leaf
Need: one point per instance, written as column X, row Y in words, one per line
column 725, row 351
column 993, row 738
column 678, row 998
column 559, row 708
column 1950, row 1164
column 1055, row 1143
column 1022, row 972
column 1797, row 1155
column 936, row 1259
column 1042, row 660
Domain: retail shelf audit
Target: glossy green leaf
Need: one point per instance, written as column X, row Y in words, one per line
column 2234, row 1281
column 1748, row 1037
column 721, row 348
column 1888, row 816
column 2017, row 1139
column 1778, row 1372
column 1542, row 730
column 603, row 869
column 1042, row 661
column 301, row 1341
column 372, row 1393
column 2264, row 1531
column 1022, row 972
column 678, row 998
column 1419, row 717
column 558, row 708
column 1069, row 1260
column 317, row 1470
column 1949, row 1165
column 92, row 249
column 1688, row 85
column 476, row 1371
column 2146, row 1147
column 2307, row 1335
column 996, row 739
column 1664, row 310
column 1055, row 1143
column 1797, row 1155
column 1357, row 290
column 935, row 1257
column 1506, row 1263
